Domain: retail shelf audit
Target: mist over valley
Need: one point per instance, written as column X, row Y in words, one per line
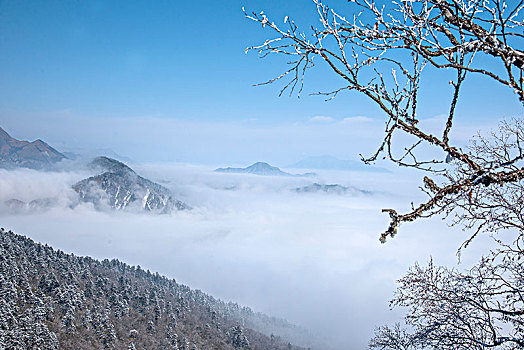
column 309, row 256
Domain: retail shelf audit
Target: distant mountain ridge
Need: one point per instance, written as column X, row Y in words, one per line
column 260, row 168
column 17, row 206
column 24, row 154
column 333, row 189
column 120, row 187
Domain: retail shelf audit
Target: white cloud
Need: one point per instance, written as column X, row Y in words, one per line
column 357, row 119
column 321, row 119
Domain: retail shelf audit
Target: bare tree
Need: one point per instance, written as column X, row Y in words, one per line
column 480, row 309
column 382, row 53
column 395, row 338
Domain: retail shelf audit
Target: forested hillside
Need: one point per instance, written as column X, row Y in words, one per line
column 53, row 300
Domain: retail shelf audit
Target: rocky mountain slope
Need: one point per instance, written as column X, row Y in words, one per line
column 53, row 300
column 35, row 155
column 120, row 187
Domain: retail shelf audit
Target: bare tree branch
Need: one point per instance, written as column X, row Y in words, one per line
column 402, row 38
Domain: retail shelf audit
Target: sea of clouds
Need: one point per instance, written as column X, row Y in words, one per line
column 311, row 258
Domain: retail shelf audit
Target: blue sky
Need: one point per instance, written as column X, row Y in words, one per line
column 170, row 59
column 67, row 65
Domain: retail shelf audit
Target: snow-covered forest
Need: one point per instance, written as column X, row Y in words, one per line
column 53, row 300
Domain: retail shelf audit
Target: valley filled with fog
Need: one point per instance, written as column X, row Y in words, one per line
column 311, row 257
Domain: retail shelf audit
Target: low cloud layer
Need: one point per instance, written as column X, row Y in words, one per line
column 312, row 258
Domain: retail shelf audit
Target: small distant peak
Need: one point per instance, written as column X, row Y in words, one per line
column 262, row 165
